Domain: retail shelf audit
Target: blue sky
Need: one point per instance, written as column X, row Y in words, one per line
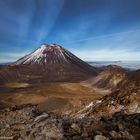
column 94, row 30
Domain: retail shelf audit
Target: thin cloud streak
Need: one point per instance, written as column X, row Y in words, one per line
column 104, row 36
column 108, row 55
column 11, row 56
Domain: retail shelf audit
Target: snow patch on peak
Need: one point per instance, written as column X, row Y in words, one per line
column 43, row 46
column 54, row 45
column 36, row 55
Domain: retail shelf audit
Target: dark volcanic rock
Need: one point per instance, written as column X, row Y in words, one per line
column 19, row 122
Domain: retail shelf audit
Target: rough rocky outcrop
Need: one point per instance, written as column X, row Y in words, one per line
column 27, row 122
column 109, row 77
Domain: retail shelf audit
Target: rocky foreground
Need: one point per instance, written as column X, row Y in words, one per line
column 115, row 116
column 26, row 122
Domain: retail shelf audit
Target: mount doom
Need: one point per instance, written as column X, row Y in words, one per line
column 47, row 63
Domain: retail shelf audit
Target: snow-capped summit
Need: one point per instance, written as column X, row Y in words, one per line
column 44, row 54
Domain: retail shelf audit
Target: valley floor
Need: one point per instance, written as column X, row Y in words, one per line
column 51, row 96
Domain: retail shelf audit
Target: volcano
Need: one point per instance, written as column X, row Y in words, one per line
column 50, row 63
column 53, row 55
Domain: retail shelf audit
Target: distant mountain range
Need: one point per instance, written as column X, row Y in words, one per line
column 132, row 65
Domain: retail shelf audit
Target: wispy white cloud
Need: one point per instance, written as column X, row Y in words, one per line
column 117, row 46
column 11, row 56
column 116, row 36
